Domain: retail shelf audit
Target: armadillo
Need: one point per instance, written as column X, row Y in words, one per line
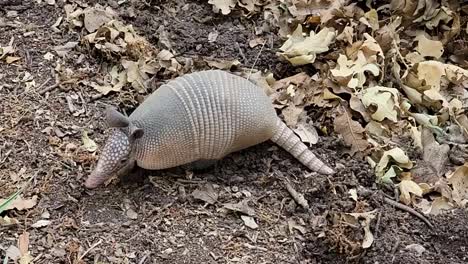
column 196, row 117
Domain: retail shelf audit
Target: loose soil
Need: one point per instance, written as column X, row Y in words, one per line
column 153, row 219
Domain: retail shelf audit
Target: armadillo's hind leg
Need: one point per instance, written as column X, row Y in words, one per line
column 289, row 141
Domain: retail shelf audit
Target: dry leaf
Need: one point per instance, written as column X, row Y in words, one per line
column 353, row 194
column 94, row 18
column 352, row 133
column 385, row 99
column 206, row 194
column 352, row 73
column 11, row 59
column 88, row 143
column 7, row 221
column 291, row 115
column 435, row 154
column 300, row 50
column 41, row 223
column 224, row 5
column 398, row 156
column 307, row 133
column 242, row 207
column 21, row 204
column 223, row 64
column 459, row 181
column 65, row 49
column 439, row 205
column 365, row 223
column 429, row 48
column 407, row 186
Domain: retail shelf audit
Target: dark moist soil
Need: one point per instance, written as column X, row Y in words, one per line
column 39, row 137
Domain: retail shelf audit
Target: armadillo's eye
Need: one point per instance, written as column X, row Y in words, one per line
column 122, row 161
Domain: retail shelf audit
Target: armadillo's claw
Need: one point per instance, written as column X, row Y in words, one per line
column 326, row 170
column 91, row 184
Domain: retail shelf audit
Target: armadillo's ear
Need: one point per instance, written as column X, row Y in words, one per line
column 116, row 119
column 135, row 132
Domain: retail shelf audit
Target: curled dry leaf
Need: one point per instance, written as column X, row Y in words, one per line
column 241, row 206
column 223, row 64
column 432, row 74
column 352, row 73
column 96, row 17
column 396, row 155
column 385, row 99
column 65, row 49
column 300, row 50
column 459, row 181
column 407, row 187
column 439, row 205
column 224, row 6
column 364, row 219
column 88, row 143
column 307, row 133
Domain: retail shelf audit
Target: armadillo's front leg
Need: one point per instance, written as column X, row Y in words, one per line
column 129, row 171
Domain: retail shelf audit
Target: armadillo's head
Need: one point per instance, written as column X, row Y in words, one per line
column 118, row 151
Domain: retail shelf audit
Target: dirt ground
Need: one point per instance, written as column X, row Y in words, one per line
column 154, row 219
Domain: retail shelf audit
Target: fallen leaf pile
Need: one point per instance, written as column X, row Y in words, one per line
column 380, row 91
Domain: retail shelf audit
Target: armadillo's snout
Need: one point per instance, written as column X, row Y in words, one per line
column 113, row 158
column 99, row 175
column 95, row 179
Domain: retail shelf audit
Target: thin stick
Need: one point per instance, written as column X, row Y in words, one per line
column 409, row 210
column 256, row 59
column 144, row 258
column 299, row 198
column 89, row 249
column 44, row 83
column 50, row 88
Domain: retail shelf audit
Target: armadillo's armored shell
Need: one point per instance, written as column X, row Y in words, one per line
column 203, row 115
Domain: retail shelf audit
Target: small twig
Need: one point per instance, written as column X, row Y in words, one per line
column 299, row 198
column 95, row 97
column 89, row 249
column 395, row 247
column 44, row 83
column 48, row 89
column 144, row 258
column 377, row 225
column 408, row 210
column 241, row 53
column 256, row 59
column 190, row 181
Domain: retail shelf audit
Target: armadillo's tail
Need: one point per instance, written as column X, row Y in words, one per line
column 289, row 141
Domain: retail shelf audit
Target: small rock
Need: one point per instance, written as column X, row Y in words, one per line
column 249, row 221
column 12, row 13
column 132, row 214
column 416, row 248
